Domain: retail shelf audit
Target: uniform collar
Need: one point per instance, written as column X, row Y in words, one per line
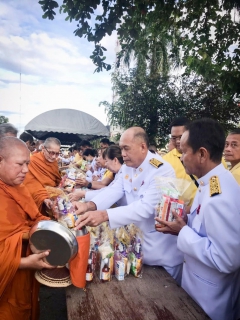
column 214, row 172
column 145, row 162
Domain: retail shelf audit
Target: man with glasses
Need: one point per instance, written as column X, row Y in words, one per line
column 43, row 171
column 174, row 157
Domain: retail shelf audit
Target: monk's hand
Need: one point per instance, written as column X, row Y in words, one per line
column 82, row 182
column 35, row 261
column 170, row 227
column 91, row 218
column 48, row 203
column 76, row 195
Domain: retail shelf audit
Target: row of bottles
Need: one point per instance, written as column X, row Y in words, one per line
column 124, row 260
column 105, row 271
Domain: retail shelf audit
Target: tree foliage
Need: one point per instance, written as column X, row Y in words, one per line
column 153, row 102
column 3, row 119
column 208, row 30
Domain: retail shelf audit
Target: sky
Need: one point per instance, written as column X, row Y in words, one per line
column 44, row 66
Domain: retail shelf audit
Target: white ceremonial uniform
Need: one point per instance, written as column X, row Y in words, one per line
column 211, row 247
column 142, row 196
column 92, row 193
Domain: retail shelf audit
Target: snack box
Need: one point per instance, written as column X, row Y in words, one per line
column 119, row 270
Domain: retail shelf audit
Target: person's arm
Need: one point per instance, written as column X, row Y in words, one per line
column 77, row 195
column 90, row 194
column 138, row 211
column 220, row 248
column 35, row 261
column 101, row 184
column 104, row 199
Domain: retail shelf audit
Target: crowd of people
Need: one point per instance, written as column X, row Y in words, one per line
column 200, row 251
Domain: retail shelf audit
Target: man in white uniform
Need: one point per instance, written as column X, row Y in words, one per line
column 137, row 183
column 211, row 239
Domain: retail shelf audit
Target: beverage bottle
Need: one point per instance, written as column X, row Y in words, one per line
column 105, row 271
column 129, row 256
column 116, row 257
column 89, row 272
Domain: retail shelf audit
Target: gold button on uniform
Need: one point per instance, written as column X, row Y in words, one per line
column 135, row 189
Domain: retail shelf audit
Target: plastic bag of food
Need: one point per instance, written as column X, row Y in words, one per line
column 172, row 196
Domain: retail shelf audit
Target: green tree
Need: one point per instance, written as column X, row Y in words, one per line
column 152, row 49
column 153, row 102
column 209, row 32
column 3, row 119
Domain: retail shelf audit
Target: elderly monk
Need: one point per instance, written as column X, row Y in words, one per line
column 18, row 212
column 43, row 171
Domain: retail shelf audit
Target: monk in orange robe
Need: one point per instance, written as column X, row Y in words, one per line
column 43, row 171
column 18, row 212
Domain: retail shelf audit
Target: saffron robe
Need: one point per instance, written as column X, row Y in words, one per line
column 41, row 173
column 18, row 287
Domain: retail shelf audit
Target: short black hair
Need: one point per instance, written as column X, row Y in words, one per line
column 90, row 152
column 235, row 131
column 85, row 143
column 179, row 122
column 105, row 141
column 209, row 134
column 25, row 136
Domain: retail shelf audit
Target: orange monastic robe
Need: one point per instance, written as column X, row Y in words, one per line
column 18, row 288
column 41, row 173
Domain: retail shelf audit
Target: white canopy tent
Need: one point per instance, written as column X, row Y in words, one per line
column 68, row 125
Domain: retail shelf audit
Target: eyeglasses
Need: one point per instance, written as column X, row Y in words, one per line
column 176, row 138
column 52, row 153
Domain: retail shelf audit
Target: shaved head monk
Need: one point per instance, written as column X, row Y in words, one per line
column 43, row 171
column 18, row 212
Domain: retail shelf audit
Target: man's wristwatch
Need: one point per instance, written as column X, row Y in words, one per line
column 89, row 186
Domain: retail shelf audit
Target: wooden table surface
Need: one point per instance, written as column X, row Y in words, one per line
column 154, row 296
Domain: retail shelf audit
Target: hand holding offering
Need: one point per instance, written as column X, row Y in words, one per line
column 170, row 227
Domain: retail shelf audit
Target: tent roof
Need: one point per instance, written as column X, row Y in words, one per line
column 68, row 125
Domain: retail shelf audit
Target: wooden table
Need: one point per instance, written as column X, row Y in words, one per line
column 155, row 296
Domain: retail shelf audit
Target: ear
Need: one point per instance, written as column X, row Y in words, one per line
column 144, row 146
column 203, row 154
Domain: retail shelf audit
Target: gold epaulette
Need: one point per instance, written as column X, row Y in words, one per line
column 155, row 162
column 214, row 186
